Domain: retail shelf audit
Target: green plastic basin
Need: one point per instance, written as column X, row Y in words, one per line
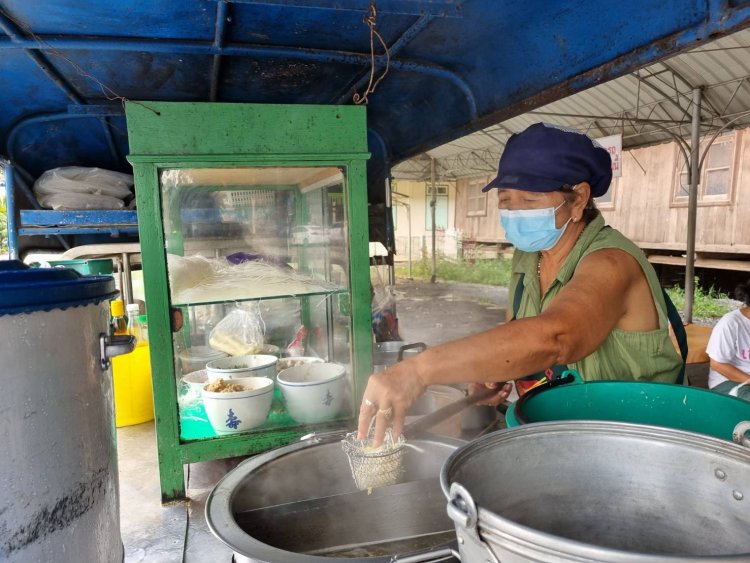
column 659, row 404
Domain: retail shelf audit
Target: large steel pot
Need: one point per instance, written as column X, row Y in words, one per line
column 58, row 468
column 299, row 504
column 587, row 491
column 385, row 354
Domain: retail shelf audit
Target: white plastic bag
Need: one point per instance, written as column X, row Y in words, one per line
column 238, row 334
column 76, row 187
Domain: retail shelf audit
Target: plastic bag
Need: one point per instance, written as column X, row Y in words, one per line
column 238, row 334
column 75, row 187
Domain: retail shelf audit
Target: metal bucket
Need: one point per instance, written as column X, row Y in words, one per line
column 659, row 404
column 58, row 469
column 385, row 354
column 299, row 503
column 588, row 491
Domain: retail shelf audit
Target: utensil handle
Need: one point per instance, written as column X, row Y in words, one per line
column 430, row 420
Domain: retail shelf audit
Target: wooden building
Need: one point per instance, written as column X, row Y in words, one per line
column 649, row 204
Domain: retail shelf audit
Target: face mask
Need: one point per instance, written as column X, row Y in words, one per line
column 532, row 230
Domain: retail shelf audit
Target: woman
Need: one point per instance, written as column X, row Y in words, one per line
column 729, row 349
column 584, row 296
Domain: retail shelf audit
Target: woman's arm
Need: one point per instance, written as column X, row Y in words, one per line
column 732, row 373
column 577, row 321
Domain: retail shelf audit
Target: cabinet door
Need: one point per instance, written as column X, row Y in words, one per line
column 258, row 265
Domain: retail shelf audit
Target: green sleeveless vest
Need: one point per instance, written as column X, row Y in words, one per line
column 640, row 356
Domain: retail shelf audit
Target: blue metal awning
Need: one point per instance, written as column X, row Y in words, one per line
column 455, row 65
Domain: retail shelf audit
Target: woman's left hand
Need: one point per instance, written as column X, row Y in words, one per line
column 387, row 397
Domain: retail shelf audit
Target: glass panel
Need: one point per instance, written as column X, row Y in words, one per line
column 477, row 200
column 258, row 264
column 717, row 182
column 683, row 190
column 720, row 154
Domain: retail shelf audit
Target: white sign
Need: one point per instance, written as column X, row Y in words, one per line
column 613, row 144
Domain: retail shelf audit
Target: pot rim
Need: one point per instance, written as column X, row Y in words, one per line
column 540, row 539
column 223, row 526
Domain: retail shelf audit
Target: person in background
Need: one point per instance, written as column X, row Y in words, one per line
column 729, row 349
column 582, row 295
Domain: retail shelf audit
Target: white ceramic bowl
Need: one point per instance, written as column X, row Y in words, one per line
column 194, row 381
column 196, row 357
column 286, row 363
column 238, row 411
column 313, row 392
column 256, row 365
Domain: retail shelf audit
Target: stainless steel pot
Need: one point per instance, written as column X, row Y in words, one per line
column 582, row 491
column 385, row 354
column 299, row 504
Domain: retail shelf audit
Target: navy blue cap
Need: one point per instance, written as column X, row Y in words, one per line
column 544, row 157
column 26, row 290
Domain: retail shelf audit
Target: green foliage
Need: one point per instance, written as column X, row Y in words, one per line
column 706, row 304
column 494, row 271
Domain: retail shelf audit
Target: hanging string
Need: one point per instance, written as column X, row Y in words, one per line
column 370, row 20
column 108, row 92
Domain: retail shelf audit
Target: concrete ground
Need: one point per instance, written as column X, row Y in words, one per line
column 152, row 533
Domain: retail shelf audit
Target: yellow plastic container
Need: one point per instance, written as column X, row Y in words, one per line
column 131, row 373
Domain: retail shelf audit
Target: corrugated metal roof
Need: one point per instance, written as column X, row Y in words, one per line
column 646, row 107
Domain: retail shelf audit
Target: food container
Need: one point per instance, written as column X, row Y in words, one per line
column 293, row 361
column 237, row 411
column 231, row 367
column 385, row 354
column 596, row 491
column 313, row 392
column 192, row 384
column 195, row 358
column 59, row 498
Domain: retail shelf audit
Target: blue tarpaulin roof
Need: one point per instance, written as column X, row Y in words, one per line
column 453, row 66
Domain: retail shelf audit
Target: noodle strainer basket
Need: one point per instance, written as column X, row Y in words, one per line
column 374, row 467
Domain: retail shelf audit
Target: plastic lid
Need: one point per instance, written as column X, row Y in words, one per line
column 27, row 290
column 133, row 308
column 143, row 318
column 117, row 308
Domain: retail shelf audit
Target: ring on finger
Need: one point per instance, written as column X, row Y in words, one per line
column 386, row 413
column 368, row 403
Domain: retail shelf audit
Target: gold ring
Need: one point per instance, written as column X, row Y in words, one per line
column 386, row 412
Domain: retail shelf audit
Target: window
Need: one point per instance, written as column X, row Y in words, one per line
column 476, row 200
column 440, row 189
column 715, row 182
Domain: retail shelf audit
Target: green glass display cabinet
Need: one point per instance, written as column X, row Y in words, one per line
column 253, row 229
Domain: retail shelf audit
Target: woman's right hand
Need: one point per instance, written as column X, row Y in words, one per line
column 503, row 390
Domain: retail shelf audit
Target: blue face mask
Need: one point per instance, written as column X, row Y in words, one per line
column 532, row 230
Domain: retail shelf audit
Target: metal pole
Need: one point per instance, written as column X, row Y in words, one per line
column 433, row 206
column 408, row 220
column 10, row 211
column 692, row 205
column 127, row 285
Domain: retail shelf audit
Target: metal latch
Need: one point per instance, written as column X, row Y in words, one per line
column 111, row 346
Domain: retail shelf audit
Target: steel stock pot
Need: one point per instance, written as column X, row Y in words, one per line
column 595, row 491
